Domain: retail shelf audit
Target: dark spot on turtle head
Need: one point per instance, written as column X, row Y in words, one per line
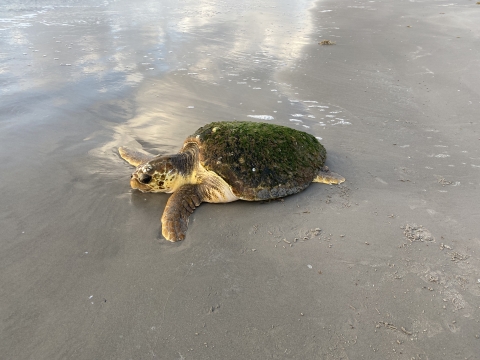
column 168, row 167
column 160, row 184
column 145, row 178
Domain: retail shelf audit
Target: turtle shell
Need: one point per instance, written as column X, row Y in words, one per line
column 260, row 161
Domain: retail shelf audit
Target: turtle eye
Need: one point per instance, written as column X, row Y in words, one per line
column 145, row 178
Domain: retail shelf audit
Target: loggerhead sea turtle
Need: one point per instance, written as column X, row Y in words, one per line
column 228, row 161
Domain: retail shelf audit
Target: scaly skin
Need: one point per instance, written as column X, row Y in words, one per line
column 179, row 207
column 182, row 175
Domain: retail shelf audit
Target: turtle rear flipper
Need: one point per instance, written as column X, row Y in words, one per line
column 179, row 207
column 325, row 176
column 134, row 157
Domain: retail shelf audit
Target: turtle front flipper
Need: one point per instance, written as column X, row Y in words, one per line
column 326, row 176
column 134, row 157
column 179, row 207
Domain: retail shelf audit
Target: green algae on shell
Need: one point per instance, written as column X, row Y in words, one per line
column 258, row 160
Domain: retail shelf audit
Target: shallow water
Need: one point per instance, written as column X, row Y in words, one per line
column 80, row 79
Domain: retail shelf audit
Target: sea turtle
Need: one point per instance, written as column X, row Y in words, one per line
column 227, row 161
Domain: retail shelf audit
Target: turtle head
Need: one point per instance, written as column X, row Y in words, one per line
column 157, row 175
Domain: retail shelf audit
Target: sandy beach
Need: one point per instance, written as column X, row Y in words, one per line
column 383, row 266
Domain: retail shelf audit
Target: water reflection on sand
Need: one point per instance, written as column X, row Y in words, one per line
column 152, row 73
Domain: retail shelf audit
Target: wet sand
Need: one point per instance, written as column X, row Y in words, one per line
column 384, row 266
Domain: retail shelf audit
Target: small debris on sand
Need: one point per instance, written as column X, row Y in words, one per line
column 393, row 327
column 444, row 246
column 326, row 42
column 310, row 234
column 456, row 256
column 417, row 233
column 444, row 182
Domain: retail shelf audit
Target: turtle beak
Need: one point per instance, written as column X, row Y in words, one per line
column 138, row 184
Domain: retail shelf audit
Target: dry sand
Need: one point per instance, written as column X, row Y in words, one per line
column 385, row 266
